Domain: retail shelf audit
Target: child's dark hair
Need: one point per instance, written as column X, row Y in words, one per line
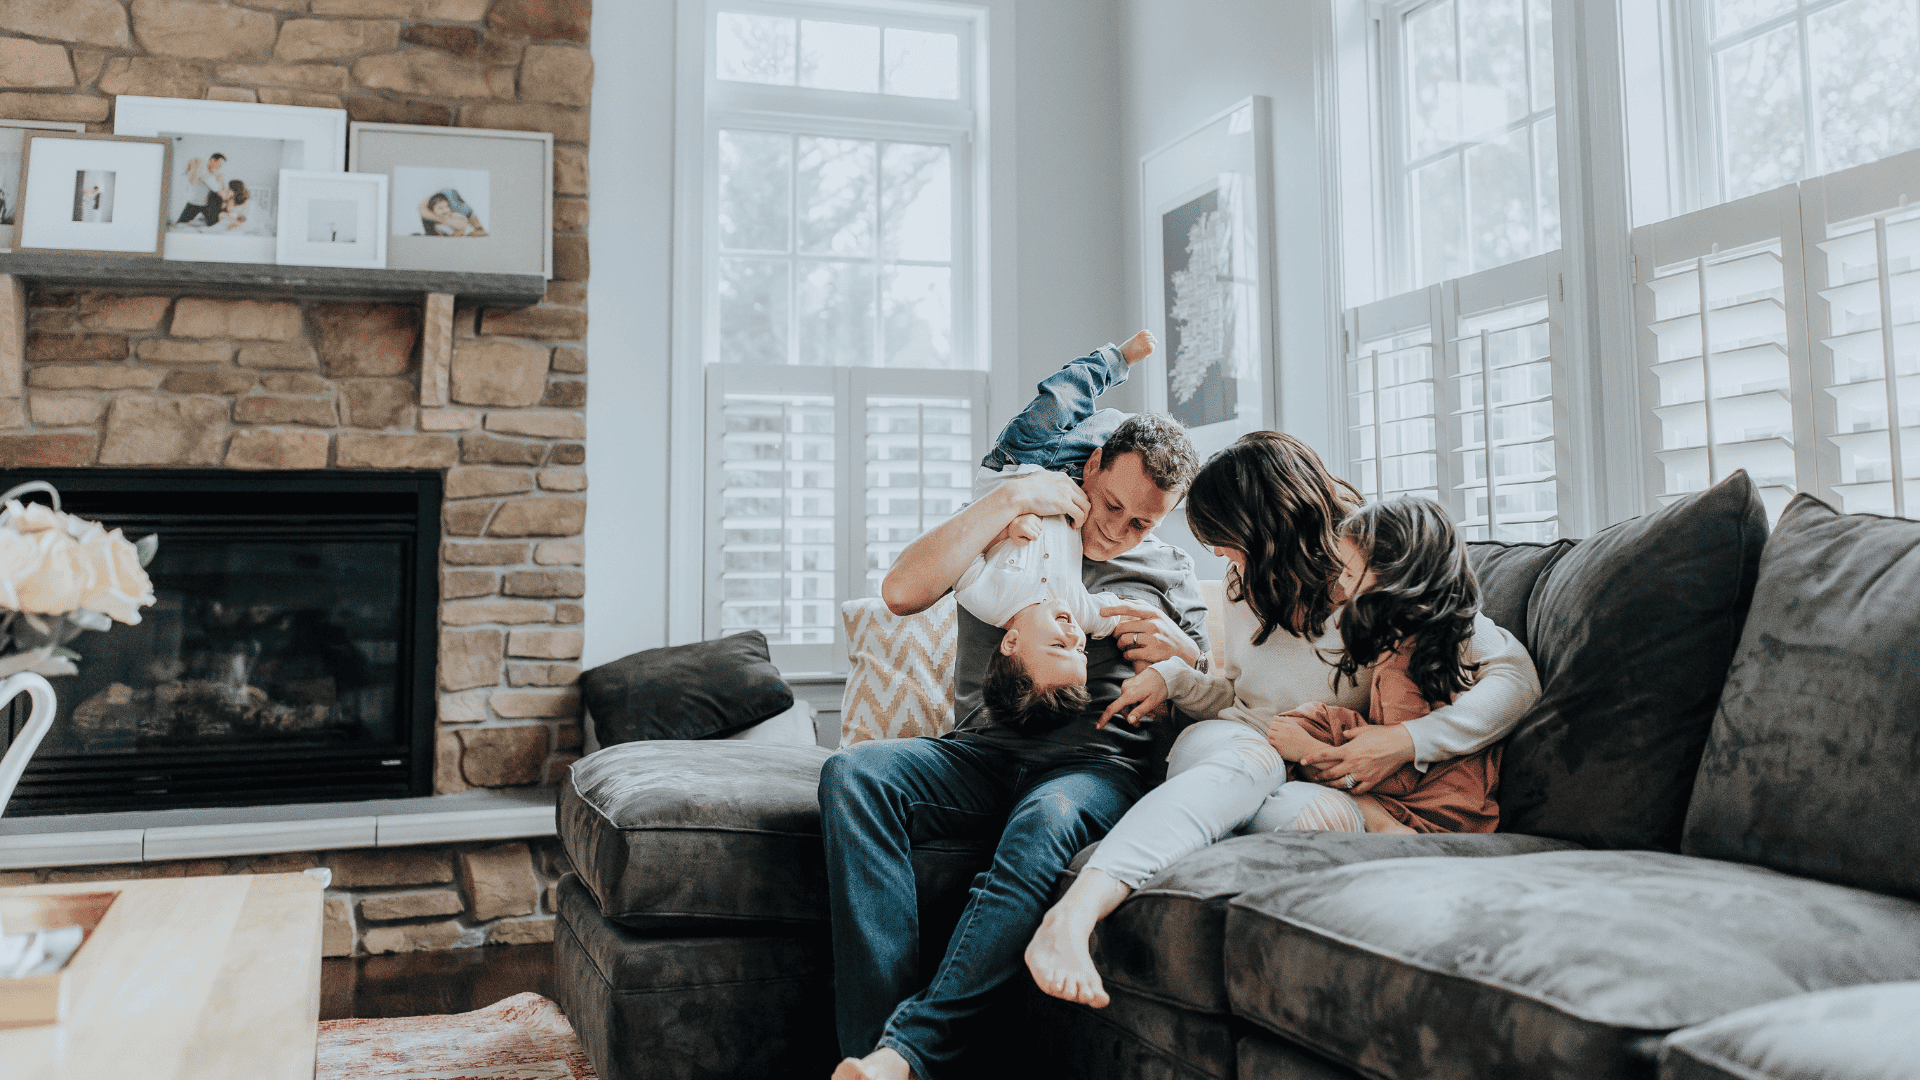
column 1010, row 696
column 1424, row 590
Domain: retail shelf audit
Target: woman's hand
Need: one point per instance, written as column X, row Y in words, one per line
column 1145, row 633
column 1370, row 755
column 1145, row 693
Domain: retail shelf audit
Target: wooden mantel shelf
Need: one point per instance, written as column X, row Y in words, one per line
column 260, row 279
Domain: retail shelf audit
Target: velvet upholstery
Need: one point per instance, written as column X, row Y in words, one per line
column 1569, row 964
column 1507, row 574
column 705, row 690
column 1632, row 631
column 1811, row 765
column 1860, row 1033
column 1136, row 1036
column 1262, row 1057
column 1168, row 940
column 676, row 1008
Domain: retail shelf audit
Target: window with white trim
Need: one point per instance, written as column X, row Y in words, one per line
column 845, row 391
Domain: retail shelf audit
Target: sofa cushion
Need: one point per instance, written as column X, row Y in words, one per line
column 1569, row 964
column 1632, row 631
column 700, row 691
column 1508, row 573
column 1860, row 1033
column 1168, row 939
column 1813, row 766
column 1135, row 1037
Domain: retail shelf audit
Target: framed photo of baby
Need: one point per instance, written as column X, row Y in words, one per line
column 462, row 198
column 226, row 162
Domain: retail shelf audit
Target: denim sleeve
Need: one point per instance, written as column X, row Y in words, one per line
column 1065, row 400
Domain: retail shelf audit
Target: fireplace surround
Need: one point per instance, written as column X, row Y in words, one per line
column 289, row 656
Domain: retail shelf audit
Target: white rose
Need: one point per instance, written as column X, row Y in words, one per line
column 119, row 586
column 19, row 558
column 62, row 579
column 35, row 517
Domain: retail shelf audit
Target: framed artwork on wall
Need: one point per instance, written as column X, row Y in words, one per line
column 225, row 170
column 91, row 194
column 1207, row 261
column 332, row 219
column 462, row 198
column 12, row 132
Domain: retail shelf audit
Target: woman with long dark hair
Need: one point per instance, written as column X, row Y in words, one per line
column 1270, row 507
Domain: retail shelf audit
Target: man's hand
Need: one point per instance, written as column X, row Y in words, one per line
column 1144, row 695
column 1370, row 755
column 1146, row 633
column 1046, row 494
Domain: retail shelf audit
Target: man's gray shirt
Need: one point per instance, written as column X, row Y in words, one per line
column 1153, row 573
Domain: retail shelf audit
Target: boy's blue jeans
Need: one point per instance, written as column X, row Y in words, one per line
column 1059, row 429
column 876, row 799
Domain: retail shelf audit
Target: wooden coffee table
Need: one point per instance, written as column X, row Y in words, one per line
column 185, row 979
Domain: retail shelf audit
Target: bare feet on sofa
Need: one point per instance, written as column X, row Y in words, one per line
column 883, row 1064
column 1138, row 347
column 1058, row 954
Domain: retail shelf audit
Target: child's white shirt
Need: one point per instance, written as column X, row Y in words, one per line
column 1012, row 575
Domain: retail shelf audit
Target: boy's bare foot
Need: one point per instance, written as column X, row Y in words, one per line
column 1061, row 963
column 883, row 1064
column 1138, row 347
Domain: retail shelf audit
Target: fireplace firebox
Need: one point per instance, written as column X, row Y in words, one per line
column 289, row 656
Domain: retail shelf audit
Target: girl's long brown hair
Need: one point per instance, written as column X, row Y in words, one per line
column 1424, row 592
column 1270, row 496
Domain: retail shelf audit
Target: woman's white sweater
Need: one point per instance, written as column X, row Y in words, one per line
column 1254, row 683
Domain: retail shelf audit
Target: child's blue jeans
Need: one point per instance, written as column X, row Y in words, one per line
column 1060, row 429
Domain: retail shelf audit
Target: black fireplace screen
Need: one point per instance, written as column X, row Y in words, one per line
column 289, row 655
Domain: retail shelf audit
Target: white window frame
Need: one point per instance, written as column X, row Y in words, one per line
column 706, row 104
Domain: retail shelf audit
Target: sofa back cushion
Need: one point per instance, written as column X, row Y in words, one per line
column 1508, row 573
column 1813, row 765
column 1632, row 631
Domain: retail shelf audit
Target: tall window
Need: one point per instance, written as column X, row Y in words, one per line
column 1470, row 136
column 839, row 226
column 1787, row 89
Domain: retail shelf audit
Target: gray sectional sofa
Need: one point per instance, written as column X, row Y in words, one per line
column 1709, row 863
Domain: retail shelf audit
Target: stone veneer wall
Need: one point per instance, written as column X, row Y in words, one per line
column 160, row 380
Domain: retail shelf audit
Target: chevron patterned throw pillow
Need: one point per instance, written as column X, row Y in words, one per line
column 901, row 684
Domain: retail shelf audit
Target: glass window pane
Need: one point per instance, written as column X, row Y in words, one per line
column 1501, row 178
column 924, row 64
column 919, row 317
column 753, row 311
column 1439, row 210
column 754, row 48
column 755, row 190
column 1433, row 80
column 840, row 56
column 1731, row 15
column 1762, row 127
column 836, row 314
column 1541, row 13
column 916, row 202
column 1865, row 56
column 1493, row 64
column 1546, row 167
column 836, row 196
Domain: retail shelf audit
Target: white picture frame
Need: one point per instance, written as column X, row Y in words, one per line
column 516, row 213
column 12, row 136
column 332, row 219
column 1214, row 368
column 91, row 194
column 262, row 139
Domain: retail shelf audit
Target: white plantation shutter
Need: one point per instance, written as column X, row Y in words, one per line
column 1863, row 285
column 820, row 477
column 1720, row 299
column 1392, row 401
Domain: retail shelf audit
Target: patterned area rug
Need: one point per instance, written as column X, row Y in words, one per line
column 524, row 1037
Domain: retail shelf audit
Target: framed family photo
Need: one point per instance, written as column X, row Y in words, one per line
column 462, row 198
column 92, row 194
column 12, row 136
column 332, row 219
column 225, row 171
column 1207, row 252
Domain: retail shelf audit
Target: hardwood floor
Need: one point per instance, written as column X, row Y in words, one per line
column 431, row 983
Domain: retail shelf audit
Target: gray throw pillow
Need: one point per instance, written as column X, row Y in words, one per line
column 1632, row 631
column 706, row 690
column 1813, row 766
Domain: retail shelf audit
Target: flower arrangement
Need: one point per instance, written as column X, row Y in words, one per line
column 59, row 575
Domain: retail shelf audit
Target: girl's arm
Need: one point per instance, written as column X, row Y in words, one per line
column 1508, row 686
